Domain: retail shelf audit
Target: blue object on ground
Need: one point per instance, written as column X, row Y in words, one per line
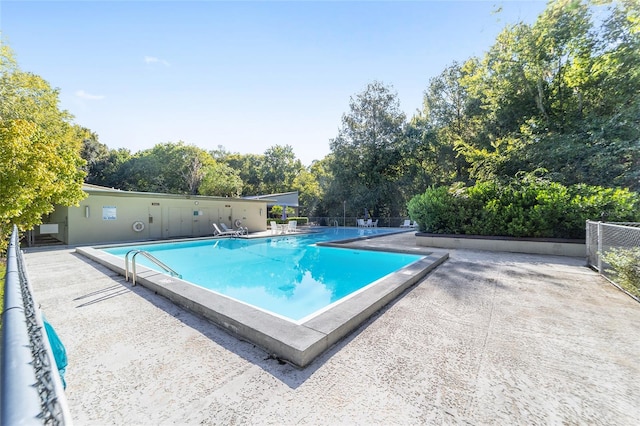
column 59, row 352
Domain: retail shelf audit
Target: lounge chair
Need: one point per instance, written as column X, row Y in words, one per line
column 360, row 222
column 274, row 227
column 220, row 233
column 415, row 224
column 239, row 231
column 369, row 223
column 375, row 223
column 406, row 224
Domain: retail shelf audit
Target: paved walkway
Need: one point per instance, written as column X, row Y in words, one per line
column 487, row 338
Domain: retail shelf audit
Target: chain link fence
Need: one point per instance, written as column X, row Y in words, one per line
column 384, row 222
column 31, row 388
column 605, row 236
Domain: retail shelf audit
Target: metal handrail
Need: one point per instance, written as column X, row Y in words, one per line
column 148, row 256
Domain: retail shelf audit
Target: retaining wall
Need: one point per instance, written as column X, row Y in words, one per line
column 558, row 247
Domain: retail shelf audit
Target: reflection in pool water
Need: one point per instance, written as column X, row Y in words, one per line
column 289, row 276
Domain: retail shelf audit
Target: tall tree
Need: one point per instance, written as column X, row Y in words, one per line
column 279, row 169
column 93, row 152
column 561, row 94
column 272, row 172
column 366, row 154
column 440, row 128
column 175, row 168
column 249, row 167
column 40, row 163
column 310, row 191
column 313, row 190
column 221, row 180
column 110, row 171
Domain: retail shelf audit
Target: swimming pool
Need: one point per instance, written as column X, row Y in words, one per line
column 290, row 276
column 301, row 341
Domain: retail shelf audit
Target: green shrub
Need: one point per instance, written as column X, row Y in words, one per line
column 526, row 206
column 436, row 210
column 626, row 268
column 302, row 220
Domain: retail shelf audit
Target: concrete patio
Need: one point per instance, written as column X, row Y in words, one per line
column 487, row 338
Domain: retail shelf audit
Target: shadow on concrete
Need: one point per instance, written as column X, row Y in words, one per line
column 287, row 373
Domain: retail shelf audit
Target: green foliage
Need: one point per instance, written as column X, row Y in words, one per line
column 175, row 168
column 279, row 169
column 249, row 168
column 442, row 125
column 276, row 212
column 94, row 153
column 40, row 163
column 366, row 161
column 273, row 172
column 221, row 180
column 109, row 170
column 626, row 268
column 302, row 220
column 437, row 210
column 526, row 206
column 307, row 183
column 561, row 94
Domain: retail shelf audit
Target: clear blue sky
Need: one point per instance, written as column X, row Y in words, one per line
column 244, row 75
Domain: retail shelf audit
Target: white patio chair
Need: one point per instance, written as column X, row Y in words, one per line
column 292, row 226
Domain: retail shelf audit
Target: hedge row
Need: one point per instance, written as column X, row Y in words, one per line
column 527, row 206
column 302, row 220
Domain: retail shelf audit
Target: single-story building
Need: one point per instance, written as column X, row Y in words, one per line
column 110, row 215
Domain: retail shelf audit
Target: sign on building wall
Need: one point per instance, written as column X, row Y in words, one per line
column 108, row 212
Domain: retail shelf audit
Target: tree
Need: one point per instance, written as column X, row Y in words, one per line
column 367, row 154
column 40, row 163
column 279, row 169
column 110, row 171
column 309, row 191
column 561, row 94
column 270, row 173
column 313, row 189
column 221, row 180
column 434, row 135
column 175, row 168
column 93, row 152
column 250, row 170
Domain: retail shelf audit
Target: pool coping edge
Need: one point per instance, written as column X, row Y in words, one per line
column 296, row 343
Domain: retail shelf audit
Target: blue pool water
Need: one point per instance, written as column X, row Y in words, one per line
column 287, row 275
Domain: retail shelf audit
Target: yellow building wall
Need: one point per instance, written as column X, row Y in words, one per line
column 109, row 216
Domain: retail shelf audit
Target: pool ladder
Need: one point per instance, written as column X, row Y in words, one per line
column 148, row 256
